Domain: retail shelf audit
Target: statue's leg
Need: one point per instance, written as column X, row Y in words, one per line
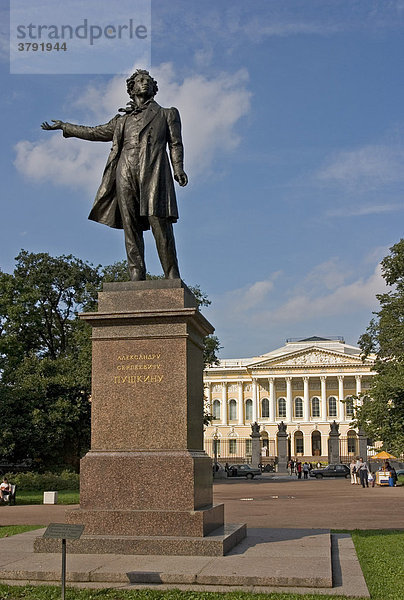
column 127, row 196
column 164, row 235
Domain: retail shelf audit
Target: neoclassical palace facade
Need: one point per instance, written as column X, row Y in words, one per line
column 307, row 384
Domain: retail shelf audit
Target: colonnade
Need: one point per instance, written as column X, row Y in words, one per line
column 240, row 395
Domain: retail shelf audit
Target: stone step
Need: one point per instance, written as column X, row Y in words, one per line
column 217, row 543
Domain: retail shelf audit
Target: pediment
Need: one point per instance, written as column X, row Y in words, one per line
column 309, row 358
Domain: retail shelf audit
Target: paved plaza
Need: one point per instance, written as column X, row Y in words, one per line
column 312, row 503
column 288, row 523
column 275, row 502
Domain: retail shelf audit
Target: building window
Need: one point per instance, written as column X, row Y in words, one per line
column 349, row 407
column 248, row 410
column 332, row 407
column 232, row 446
column 248, row 447
column 298, row 408
column 232, row 410
column 316, row 443
column 216, row 410
column 352, row 443
column 282, row 407
column 315, row 407
column 298, row 442
column 265, row 408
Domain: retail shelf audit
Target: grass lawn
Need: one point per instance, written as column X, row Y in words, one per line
column 64, row 497
column 381, row 555
column 380, row 552
column 7, row 530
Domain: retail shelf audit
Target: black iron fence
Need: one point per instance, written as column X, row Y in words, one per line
column 348, row 448
column 238, row 449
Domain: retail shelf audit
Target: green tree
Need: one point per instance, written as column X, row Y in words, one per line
column 45, row 367
column 382, row 411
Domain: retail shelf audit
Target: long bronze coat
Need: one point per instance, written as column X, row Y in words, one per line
column 157, row 127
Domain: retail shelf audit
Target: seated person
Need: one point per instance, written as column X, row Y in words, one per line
column 5, row 489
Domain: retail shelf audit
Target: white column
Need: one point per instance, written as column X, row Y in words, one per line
column 341, row 405
column 272, row 407
column 358, row 384
column 240, row 412
column 289, row 411
column 324, row 443
column 208, row 388
column 224, row 403
column 306, row 401
column 307, row 444
column 323, row 380
column 358, row 379
column 254, row 400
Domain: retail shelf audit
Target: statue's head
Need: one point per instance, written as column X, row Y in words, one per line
column 141, row 83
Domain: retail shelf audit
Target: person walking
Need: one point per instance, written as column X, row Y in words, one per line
column 291, row 466
column 352, row 470
column 306, row 469
column 363, row 473
column 299, row 469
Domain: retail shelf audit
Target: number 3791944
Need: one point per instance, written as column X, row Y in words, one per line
column 41, row 47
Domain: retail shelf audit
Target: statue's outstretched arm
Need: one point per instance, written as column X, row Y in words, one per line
column 56, row 125
column 100, row 133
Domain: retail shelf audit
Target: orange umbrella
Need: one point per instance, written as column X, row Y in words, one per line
column 382, row 456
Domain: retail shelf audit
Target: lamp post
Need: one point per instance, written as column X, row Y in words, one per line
column 215, row 438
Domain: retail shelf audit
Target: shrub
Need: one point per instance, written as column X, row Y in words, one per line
column 400, row 480
column 67, row 480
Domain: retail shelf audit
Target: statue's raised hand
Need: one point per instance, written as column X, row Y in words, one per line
column 56, row 125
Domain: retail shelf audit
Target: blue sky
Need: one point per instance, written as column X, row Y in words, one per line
column 293, row 128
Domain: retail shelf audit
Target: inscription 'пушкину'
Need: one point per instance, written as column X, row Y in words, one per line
column 138, row 378
column 139, row 357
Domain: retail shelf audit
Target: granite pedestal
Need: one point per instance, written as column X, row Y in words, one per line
column 146, row 483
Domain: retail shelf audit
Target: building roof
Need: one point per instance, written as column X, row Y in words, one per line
column 332, row 345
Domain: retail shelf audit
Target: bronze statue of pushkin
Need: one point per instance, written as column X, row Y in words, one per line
column 137, row 189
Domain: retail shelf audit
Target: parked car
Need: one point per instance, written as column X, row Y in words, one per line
column 244, row 470
column 267, row 468
column 331, row 471
column 400, row 472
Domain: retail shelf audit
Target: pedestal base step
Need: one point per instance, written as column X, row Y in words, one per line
column 217, row 543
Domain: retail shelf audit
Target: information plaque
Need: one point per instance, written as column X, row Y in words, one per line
column 63, row 531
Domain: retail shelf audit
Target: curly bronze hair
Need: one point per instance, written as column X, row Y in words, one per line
column 130, row 82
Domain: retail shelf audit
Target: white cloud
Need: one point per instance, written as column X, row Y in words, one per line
column 330, row 275
column 73, row 164
column 365, row 168
column 257, row 29
column 360, row 211
column 210, row 110
column 345, row 299
column 327, row 298
column 251, row 296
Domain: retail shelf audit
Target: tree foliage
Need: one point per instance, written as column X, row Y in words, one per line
column 45, row 367
column 382, row 412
